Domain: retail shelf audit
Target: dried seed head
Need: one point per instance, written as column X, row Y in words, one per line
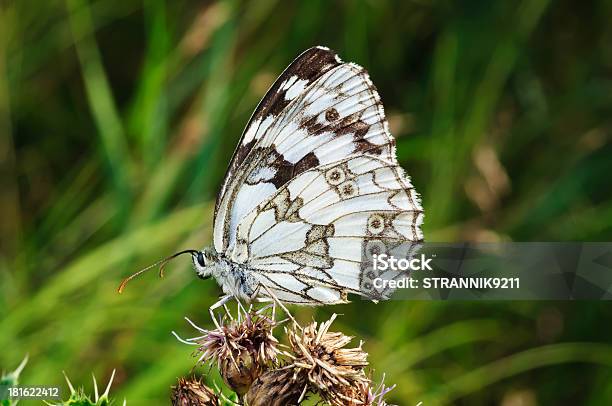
column 321, row 357
column 242, row 349
column 193, row 392
column 276, row 387
column 240, row 371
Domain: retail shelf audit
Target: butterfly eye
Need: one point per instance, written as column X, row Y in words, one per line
column 200, row 259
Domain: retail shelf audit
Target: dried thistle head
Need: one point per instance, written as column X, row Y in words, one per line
column 322, row 358
column 315, row 361
column 242, row 348
column 276, row 387
column 193, row 392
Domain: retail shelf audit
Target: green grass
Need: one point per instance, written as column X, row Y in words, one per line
column 117, row 120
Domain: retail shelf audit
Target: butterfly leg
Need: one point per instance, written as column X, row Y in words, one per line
column 279, row 303
column 221, row 302
column 240, row 309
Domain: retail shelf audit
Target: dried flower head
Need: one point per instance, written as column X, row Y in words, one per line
column 242, row 348
column 193, row 392
column 315, row 361
column 276, row 387
column 321, row 357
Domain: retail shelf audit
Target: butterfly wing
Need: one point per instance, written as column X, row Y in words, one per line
column 337, row 115
column 313, row 241
column 314, row 172
column 304, row 70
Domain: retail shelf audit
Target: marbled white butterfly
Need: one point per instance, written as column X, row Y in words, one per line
column 313, row 189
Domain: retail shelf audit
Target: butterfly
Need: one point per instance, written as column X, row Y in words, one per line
column 312, row 191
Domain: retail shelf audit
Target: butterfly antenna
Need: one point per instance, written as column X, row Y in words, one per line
column 162, row 263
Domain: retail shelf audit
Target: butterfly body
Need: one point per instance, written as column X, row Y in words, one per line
column 313, row 188
column 235, row 279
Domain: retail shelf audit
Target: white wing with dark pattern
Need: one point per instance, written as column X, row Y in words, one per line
column 302, row 72
column 317, row 230
column 314, row 186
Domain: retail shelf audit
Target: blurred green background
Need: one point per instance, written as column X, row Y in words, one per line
column 118, row 118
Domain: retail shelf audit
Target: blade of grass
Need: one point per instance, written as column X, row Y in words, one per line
column 46, row 32
column 216, row 107
column 102, row 105
column 10, row 226
column 440, row 193
column 553, row 354
column 148, row 118
column 442, row 339
column 87, row 268
column 483, row 101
